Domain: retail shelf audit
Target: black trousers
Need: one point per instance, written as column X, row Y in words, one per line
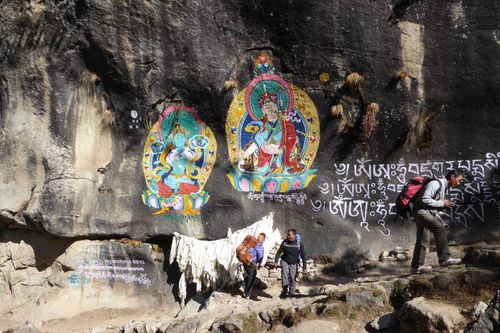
column 251, row 274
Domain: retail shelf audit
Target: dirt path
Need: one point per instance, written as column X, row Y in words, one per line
column 228, row 304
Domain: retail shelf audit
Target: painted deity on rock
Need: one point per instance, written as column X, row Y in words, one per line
column 179, row 155
column 272, row 130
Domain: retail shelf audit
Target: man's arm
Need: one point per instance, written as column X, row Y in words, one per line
column 303, row 255
column 260, row 253
column 278, row 254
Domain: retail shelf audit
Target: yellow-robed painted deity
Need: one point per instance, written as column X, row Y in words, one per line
column 272, row 130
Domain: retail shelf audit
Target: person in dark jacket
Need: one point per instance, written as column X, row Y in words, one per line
column 251, row 270
column 289, row 252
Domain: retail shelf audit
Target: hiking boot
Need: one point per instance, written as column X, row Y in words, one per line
column 450, row 262
column 421, row 270
column 283, row 293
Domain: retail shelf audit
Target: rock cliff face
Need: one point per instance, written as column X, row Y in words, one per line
column 82, row 82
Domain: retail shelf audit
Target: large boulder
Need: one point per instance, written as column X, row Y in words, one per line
column 423, row 315
column 366, row 296
column 385, row 321
column 44, row 278
column 489, row 320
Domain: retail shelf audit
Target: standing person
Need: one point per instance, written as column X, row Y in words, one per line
column 251, row 270
column 289, row 252
column 427, row 204
column 259, row 250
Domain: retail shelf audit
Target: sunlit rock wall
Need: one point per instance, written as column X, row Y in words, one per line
column 82, row 82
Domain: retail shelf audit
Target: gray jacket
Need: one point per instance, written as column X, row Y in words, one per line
column 432, row 196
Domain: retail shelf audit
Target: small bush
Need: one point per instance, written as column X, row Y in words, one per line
column 354, row 81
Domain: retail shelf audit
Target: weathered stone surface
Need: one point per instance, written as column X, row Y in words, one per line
column 107, row 329
column 195, row 304
column 229, row 327
column 385, row 321
column 489, row 321
column 422, row 315
column 72, row 72
column 41, row 281
column 65, row 64
column 265, row 317
column 134, row 326
column 245, row 322
column 212, row 301
column 446, row 281
column 401, row 257
column 485, row 256
column 24, row 329
column 317, row 326
column 478, row 276
column 366, row 297
column 479, row 309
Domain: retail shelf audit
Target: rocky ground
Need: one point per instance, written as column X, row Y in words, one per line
column 364, row 296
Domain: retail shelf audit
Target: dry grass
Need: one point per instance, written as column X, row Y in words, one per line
column 130, row 242
column 418, row 132
column 370, row 122
column 95, row 78
column 343, row 125
column 231, row 84
column 354, row 80
column 400, row 75
column 337, row 111
column 109, row 118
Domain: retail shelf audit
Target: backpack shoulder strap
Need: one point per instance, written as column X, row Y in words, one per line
column 430, row 179
column 440, row 187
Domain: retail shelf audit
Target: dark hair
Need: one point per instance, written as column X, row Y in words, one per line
column 263, row 234
column 457, row 172
column 293, row 231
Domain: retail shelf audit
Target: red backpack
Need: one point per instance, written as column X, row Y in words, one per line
column 243, row 250
column 408, row 195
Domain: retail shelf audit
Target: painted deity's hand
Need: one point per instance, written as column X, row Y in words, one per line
column 240, row 155
column 272, row 149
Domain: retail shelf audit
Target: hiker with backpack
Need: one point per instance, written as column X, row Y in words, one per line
column 250, row 253
column 257, row 257
column 427, row 202
column 289, row 252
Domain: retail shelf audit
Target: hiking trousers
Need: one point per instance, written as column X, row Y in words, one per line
column 288, row 273
column 251, row 274
column 427, row 223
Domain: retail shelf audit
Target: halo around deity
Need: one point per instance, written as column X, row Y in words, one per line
column 268, row 86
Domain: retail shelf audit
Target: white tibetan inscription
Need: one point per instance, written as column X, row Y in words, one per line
column 366, row 192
